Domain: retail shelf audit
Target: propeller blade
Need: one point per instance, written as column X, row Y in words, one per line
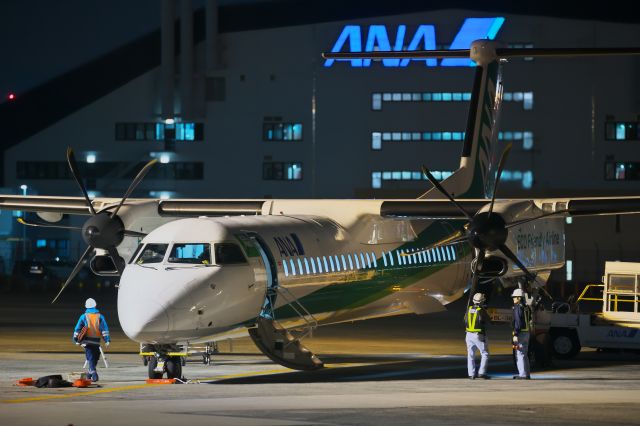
column 116, row 259
column 474, row 276
column 141, row 174
column 443, row 191
column 507, row 252
column 503, row 160
column 128, row 233
column 21, row 221
column 520, row 222
column 75, row 271
column 71, row 159
column 454, row 238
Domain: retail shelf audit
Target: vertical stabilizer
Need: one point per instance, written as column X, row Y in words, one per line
column 473, row 178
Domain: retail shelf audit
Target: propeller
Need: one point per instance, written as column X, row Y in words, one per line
column 486, row 230
column 103, row 230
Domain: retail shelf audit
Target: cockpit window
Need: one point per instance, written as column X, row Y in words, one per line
column 228, row 254
column 135, row 253
column 152, row 253
column 192, row 253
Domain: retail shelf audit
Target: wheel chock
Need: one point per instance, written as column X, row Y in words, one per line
column 26, row 381
column 81, row 383
column 161, row 381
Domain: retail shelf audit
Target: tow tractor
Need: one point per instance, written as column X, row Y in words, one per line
column 564, row 331
column 615, row 327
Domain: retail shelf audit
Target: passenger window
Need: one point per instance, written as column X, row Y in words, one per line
column 300, row 267
column 326, row 267
column 192, row 253
column 152, row 253
column 313, row 264
column 350, row 262
column 293, row 267
column 344, row 262
column 374, row 260
column 355, row 256
column 228, row 254
column 384, row 259
column 285, row 267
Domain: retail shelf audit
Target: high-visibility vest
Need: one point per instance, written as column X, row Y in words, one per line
column 472, row 320
column 93, row 325
column 527, row 318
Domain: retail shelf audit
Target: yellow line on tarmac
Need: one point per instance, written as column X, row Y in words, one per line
column 70, row 395
column 131, row 387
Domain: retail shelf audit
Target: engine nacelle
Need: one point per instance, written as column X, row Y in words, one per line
column 102, row 264
column 492, row 267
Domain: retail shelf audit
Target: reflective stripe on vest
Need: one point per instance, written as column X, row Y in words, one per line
column 527, row 318
column 472, row 317
column 93, row 325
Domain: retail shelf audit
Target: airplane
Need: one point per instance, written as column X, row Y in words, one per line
column 203, row 270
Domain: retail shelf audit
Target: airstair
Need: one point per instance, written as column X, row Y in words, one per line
column 279, row 343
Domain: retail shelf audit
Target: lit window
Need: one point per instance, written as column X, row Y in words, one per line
column 620, row 131
column 362, row 260
column 337, row 263
column 569, row 268
column 344, row 262
column 416, row 97
column 355, row 257
column 396, row 136
column 384, row 259
column 569, row 220
column 436, row 97
column 426, row 97
column 386, row 97
column 294, row 171
column 507, row 96
column 41, row 243
column 527, row 140
column 390, row 259
column 320, row 265
column 313, row 265
column 285, row 267
column 376, row 101
column 406, row 96
column 466, row 96
column 528, row 101
column 438, row 254
column 400, row 260
column 376, row 180
column 527, row 179
column 306, row 266
column 297, row 131
column 374, row 260
column 350, row 261
column 407, row 257
column 415, row 136
column 293, row 267
column 376, row 140
column 386, row 136
column 406, row 136
column 333, row 267
column 368, row 260
column 396, row 97
column 446, row 97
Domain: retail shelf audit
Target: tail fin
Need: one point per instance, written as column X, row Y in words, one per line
column 473, row 178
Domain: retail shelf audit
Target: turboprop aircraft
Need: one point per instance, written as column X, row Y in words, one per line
column 202, row 270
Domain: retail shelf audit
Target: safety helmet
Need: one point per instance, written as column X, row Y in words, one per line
column 90, row 303
column 479, row 298
column 518, row 292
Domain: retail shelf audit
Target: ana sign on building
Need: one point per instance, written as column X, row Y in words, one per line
column 424, row 38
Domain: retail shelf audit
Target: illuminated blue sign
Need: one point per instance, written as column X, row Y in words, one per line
column 424, row 38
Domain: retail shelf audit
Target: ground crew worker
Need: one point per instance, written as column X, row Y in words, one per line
column 521, row 320
column 96, row 327
column 476, row 321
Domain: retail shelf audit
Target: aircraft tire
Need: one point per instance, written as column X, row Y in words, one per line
column 151, row 366
column 174, row 367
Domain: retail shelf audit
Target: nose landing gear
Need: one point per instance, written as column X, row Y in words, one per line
column 163, row 359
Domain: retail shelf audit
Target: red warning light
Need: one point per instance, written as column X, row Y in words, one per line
column 11, row 96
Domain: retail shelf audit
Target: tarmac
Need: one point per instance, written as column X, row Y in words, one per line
column 404, row 370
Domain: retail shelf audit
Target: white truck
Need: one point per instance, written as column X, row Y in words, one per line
column 615, row 327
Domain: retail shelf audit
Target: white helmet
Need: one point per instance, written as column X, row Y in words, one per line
column 479, row 298
column 90, row 303
column 518, row 292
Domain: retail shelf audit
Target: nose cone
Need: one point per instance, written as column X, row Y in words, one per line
column 142, row 317
column 147, row 321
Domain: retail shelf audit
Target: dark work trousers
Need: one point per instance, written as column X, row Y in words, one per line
column 93, row 356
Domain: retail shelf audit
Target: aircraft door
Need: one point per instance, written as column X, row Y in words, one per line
column 270, row 273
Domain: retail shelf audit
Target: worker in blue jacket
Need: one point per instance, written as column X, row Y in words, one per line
column 96, row 328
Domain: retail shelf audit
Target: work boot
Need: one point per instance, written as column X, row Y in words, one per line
column 472, row 377
column 484, row 376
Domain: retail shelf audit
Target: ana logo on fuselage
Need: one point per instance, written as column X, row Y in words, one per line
column 289, row 245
